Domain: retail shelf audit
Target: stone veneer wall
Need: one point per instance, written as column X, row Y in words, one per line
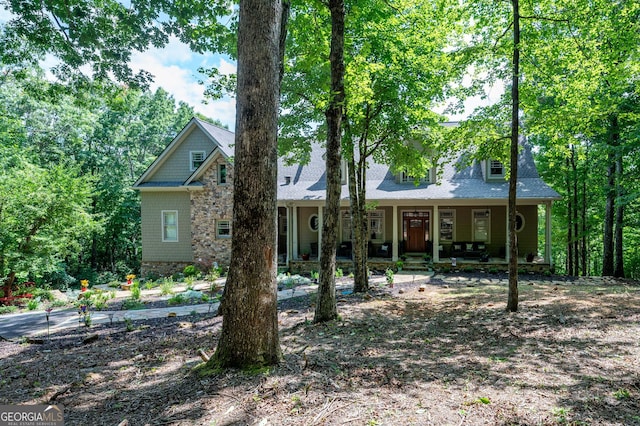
column 213, row 203
column 162, row 269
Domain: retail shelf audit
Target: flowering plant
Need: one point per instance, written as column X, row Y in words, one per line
column 84, row 284
column 130, row 278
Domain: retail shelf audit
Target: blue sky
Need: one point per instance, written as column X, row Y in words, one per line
column 175, row 69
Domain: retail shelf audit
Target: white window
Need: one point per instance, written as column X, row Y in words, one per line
column 223, row 229
column 482, row 225
column 196, row 158
column 447, row 225
column 169, row 226
column 496, row 169
column 376, row 225
column 222, row 173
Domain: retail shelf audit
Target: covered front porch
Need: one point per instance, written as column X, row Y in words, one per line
column 421, row 236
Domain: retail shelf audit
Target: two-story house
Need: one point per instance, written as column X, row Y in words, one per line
column 187, row 201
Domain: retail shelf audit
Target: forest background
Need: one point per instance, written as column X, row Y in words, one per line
column 70, row 149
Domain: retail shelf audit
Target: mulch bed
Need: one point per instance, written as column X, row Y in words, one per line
column 447, row 355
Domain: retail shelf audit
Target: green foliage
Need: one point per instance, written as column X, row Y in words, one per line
column 44, row 214
column 33, row 304
column 135, row 290
column 100, row 298
column 189, row 281
column 167, row 286
column 128, row 324
column 8, row 309
column 190, row 271
column 622, row 394
column 44, row 294
column 132, row 304
column 177, row 299
column 339, row 273
column 389, row 276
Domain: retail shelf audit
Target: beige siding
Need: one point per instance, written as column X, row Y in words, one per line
column 305, row 235
column 528, row 237
column 153, row 248
column 497, row 247
column 177, row 165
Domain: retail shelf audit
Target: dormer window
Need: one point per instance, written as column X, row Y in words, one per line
column 496, row 169
column 407, row 178
column 196, row 158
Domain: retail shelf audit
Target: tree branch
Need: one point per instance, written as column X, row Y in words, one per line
column 503, row 34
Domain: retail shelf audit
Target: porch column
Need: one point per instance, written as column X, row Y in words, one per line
column 320, row 220
column 294, row 232
column 547, row 233
column 394, row 245
column 289, row 231
column 436, row 234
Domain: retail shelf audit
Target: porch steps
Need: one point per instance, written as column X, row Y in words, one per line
column 415, row 263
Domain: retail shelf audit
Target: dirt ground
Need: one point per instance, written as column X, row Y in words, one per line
column 449, row 355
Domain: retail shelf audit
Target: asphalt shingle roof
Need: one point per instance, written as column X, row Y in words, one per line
column 307, row 182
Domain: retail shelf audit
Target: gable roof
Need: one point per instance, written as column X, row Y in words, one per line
column 308, row 182
column 222, row 140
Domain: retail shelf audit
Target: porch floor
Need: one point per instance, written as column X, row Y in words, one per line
column 417, row 263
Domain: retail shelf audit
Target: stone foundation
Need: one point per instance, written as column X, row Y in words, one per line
column 162, row 269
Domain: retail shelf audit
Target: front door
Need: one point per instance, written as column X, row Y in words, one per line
column 416, row 231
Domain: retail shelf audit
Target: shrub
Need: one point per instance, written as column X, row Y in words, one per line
column 132, row 304
column 135, row 290
column 100, row 298
column 190, row 271
column 59, row 278
column 339, row 273
column 176, row 300
column 389, row 275
column 8, row 309
column 106, row 277
column 43, row 294
column 33, row 304
column 166, row 287
column 189, row 281
column 59, row 303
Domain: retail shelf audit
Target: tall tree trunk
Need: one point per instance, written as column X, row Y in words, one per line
column 326, row 309
column 570, row 207
column 512, row 302
column 583, row 219
column 249, row 334
column 576, row 226
column 619, row 221
column 609, row 213
column 358, row 222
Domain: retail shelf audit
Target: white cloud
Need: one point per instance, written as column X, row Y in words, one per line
column 174, row 69
column 227, row 68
